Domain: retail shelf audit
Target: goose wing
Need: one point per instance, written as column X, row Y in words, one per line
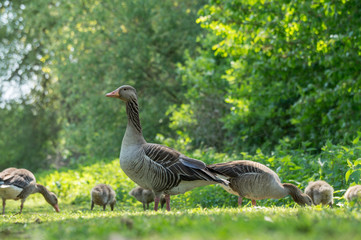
column 6, row 174
column 19, row 178
column 238, row 168
column 188, row 169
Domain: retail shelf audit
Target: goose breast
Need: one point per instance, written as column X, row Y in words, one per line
column 9, row 192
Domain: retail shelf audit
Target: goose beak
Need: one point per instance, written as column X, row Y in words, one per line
column 56, row 207
column 114, row 94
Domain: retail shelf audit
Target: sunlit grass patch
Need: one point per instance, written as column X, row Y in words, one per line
column 78, row 222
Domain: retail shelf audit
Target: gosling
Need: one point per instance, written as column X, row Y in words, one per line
column 353, row 194
column 320, row 192
column 102, row 195
column 145, row 196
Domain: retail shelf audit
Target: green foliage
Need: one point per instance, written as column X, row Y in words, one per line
column 290, row 70
column 73, row 52
column 26, row 134
column 200, row 115
column 74, row 185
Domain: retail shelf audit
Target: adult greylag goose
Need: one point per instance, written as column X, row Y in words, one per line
column 102, row 195
column 19, row 184
column 145, row 196
column 256, row 181
column 320, row 192
column 353, row 194
column 155, row 167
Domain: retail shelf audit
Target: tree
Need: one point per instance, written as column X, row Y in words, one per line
column 88, row 48
column 293, row 72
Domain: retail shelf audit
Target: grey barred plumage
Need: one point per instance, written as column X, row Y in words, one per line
column 153, row 166
column 132, row 109
column 19, row 184
column 256, row 181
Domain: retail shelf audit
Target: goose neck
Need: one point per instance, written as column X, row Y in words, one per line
column 133, row 133
column 43, row 191
column 294, row 192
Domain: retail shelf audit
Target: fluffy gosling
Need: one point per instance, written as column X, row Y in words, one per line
column 320, row 192
column 102, row 195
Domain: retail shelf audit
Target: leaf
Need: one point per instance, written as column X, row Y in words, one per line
column 345, row 148
column 357, row 162
column 349, row 163
column 348, row 173
column 356, row 140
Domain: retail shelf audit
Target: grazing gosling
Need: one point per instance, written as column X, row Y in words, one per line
column 145, row 196
column 353, row 194
column 102, row 195
column 320, row 192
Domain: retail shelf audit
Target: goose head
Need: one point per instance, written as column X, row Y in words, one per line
column 303, row 199
column 124, row 93
column 53, row 201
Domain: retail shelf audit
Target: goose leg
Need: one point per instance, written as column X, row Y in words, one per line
column 167, row 201
column 156, row 203
column 92, row 206
column 4, row 203
column 148, row 206
column 144, row 206
column 253, row 202
column 240, row 200
column 21, row 205
column 104, row 207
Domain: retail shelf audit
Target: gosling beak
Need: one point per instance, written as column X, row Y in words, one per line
column 114, row 94
column 56, row 207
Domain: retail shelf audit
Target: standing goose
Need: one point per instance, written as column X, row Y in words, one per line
column 153, row 166
column 19, row 184
column 320, row 192
column 256, row 181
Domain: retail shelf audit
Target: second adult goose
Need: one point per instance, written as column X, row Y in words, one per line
column 256, row 181
column 153, row 166
column 19, row 184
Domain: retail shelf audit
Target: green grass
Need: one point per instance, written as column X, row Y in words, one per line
column 39, row 221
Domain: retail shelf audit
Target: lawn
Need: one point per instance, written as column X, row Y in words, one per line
column 39, row 221
column 203, row 213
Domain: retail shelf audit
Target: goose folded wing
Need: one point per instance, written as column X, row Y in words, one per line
column 7, row 173
column 160, row 154
column 19, row 179
column 189, row 169
column 235, row 168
